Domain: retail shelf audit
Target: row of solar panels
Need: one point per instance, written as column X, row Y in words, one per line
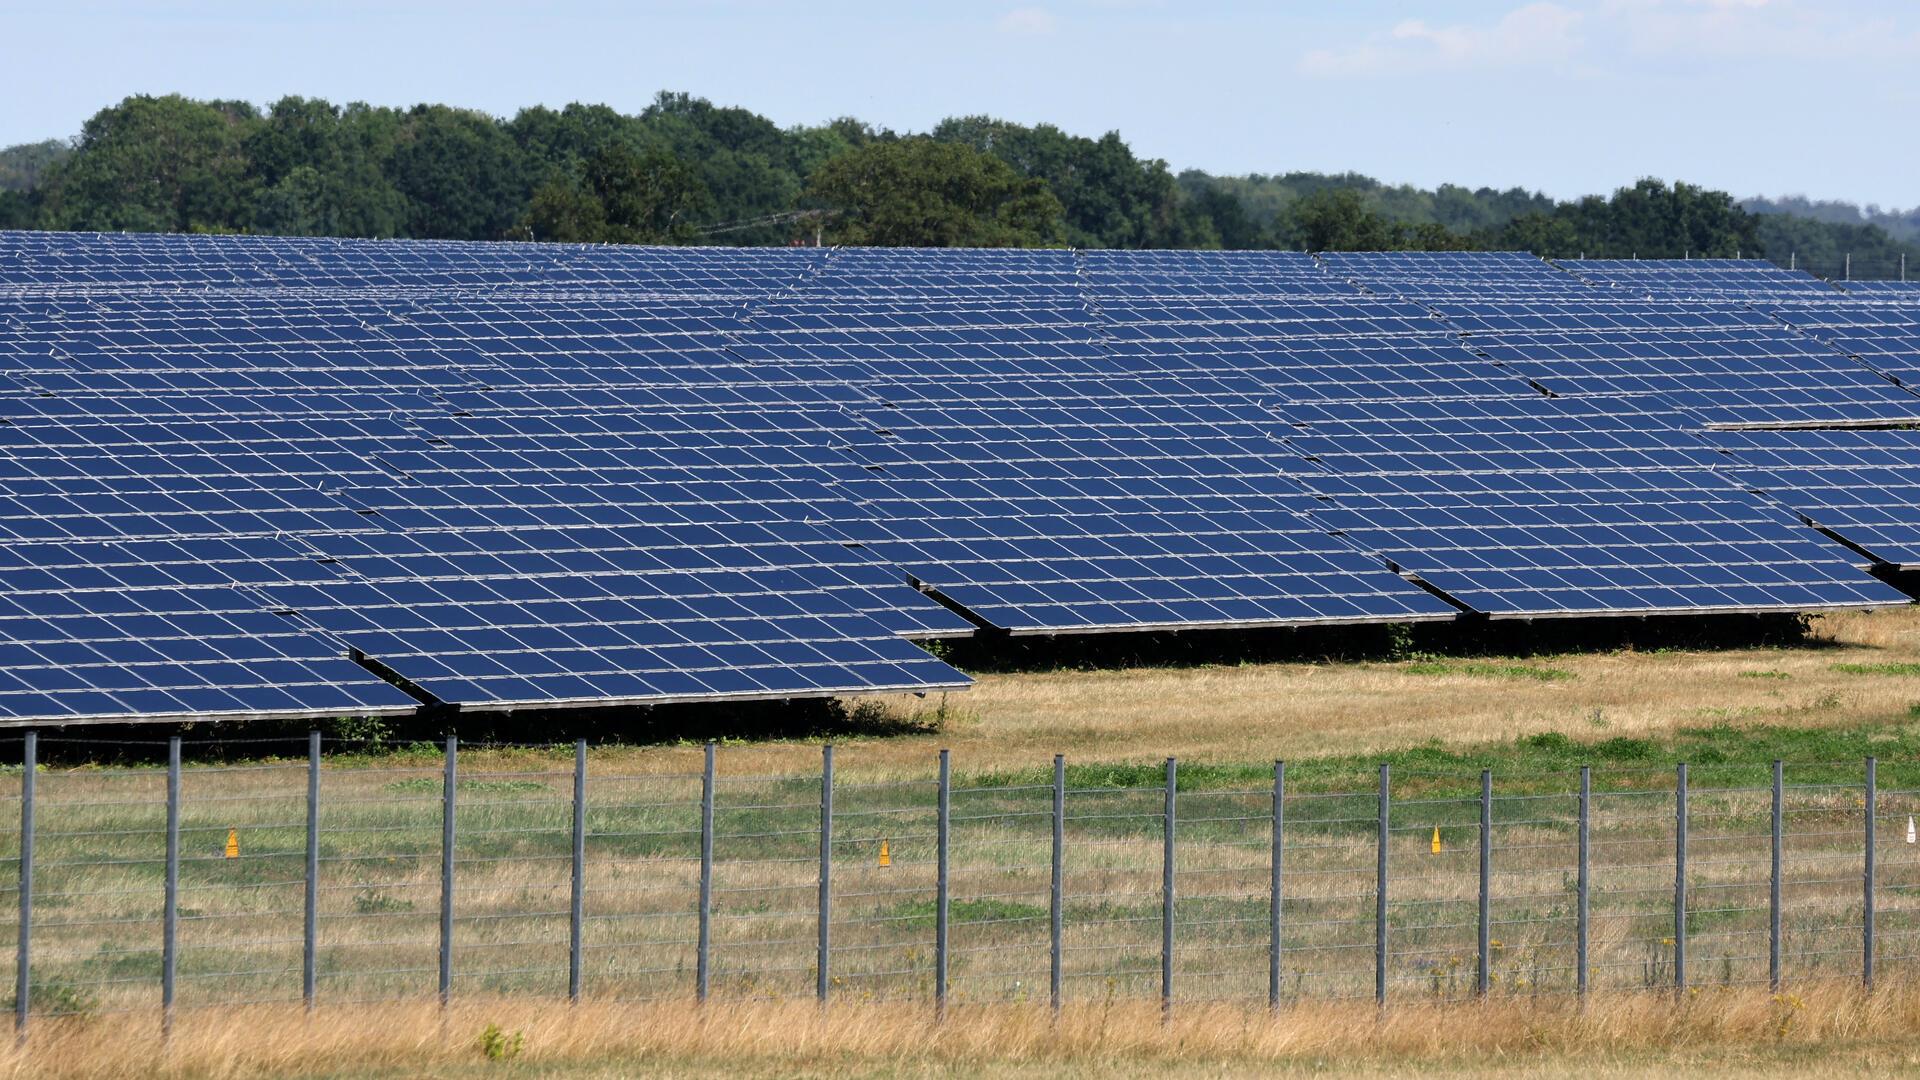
column 246, row 476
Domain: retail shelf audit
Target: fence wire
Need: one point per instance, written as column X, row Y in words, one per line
column 308, row 878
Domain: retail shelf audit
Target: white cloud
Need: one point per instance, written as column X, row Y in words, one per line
column 1750, row 30
column 1539, row 33
column 1028, row 22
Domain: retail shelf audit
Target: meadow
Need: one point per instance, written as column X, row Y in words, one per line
column 1533, row 720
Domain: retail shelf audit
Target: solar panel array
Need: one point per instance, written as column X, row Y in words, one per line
column 291, row 477
column 1700, row 279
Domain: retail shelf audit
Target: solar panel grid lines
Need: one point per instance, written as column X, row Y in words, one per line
column 1566, row 507
column 1901, row 291
column 1726, row 364
column 1861, row 486
column 1883, row 337
column 1431, row 276
column 514, row 475
column 1699, row 279
column 971, row 454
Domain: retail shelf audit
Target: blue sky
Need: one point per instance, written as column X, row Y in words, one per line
column 1816, row 97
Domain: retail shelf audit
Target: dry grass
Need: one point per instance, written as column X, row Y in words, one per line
column 1262, row 711
column 1824, row 1030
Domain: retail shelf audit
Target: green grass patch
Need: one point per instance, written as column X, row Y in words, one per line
column 992, row 910
column 430, row 785
column 1482, row 670
column 1718, row 755
column 1765, row 675
column 1878, row 669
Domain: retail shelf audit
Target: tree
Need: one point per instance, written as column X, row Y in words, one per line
column 157, row 164
column 925, row 193
column 1337, row 219
column 317, row 170
column 622, row 196
column 461, row 174
column 22, row 167
column 749, row 164
column 1110, row 198
column 17, row 210
column 1212, row 211
column 1655, row 221
column 1546, row 235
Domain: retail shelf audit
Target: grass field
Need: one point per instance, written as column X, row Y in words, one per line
column 1439, row 720
column 1827, row 1030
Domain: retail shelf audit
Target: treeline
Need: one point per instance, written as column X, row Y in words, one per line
column 684, row 170
column 1900, row 224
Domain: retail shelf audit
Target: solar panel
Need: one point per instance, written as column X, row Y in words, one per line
column 1699, row 279
column 1455, row 275
column 1898, row 291
column 1884, row 337
column 1726, row 364
column 1565, row 508
column 248, row 476
column 1862, row 487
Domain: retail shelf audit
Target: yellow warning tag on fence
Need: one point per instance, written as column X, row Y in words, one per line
column 886, row 857
column 1436, row 839
column 233, row 843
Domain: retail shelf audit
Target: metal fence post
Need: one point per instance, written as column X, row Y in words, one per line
column 1057, row 894
column 1484, row 973
column 1169, row 828
column 1276, row 895
column 1584, row 917
column 1680, row 878
column 310, row 928
column 826, row 873
column 703, row 959
column 23, row 958
column 577, row 910
column 170, row 913
column 449, row 783
column 1773, row 877
column 1380, row 894
column 942, row 842
column 1867, row 905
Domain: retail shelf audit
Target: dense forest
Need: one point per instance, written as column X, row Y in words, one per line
column 687, row 171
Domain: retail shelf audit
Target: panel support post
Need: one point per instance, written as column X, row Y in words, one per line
column 703, row 959
column 821, row 971
column 170, row 913
column 1276, row 894
column 23, row 958
column 1773, row 875
column 1868, row 867
column 577, row 908
column 1056, row 902
column 1169, row 830
column 310, row 925
column 1584, row 915
column 943, row 841
column 1483, row 975
column 1680, row 879
column 449, row 784
column 1380, row 891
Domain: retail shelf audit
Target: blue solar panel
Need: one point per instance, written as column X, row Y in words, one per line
column 276, row 473
column 1699, row 279
column 1862, row 487
column 1882, row 336
column 1728, row 365
column 1562, row 508
column 1434, row 276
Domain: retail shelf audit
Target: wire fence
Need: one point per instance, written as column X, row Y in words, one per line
column 306, row 879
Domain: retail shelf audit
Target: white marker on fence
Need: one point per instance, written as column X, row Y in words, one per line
column 1910, row 833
